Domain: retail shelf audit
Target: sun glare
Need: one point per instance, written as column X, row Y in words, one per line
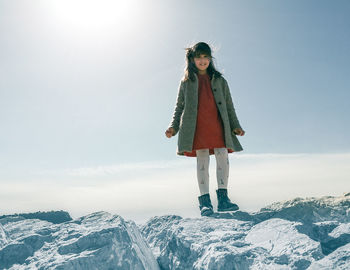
column 93, row 13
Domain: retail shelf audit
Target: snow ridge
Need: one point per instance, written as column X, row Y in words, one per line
column 96, row 241
column 52, row 216
column 309, row 233
column 303, row 233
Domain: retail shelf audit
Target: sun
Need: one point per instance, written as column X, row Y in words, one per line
column 93, row 14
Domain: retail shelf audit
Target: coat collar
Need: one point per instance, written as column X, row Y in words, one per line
column 212, row 79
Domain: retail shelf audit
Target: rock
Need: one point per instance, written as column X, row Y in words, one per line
column 339, row 259
column 97, row 241
column 52, row 216
column 198, row 243
column 303, row 233
column 295, row 234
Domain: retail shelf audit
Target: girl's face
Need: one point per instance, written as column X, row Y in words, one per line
column 202, row 62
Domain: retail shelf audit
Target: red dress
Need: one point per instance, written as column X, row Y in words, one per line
column 209, row 132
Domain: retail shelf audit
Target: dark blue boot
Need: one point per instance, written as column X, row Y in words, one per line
column 205, row 205
column 224, row 203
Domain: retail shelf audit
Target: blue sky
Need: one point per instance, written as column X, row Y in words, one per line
column 91, row 86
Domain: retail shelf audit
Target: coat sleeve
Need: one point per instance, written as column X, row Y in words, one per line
column 175, row 122
column 234, row 123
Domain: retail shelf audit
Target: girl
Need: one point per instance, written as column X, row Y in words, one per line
column 207, row 124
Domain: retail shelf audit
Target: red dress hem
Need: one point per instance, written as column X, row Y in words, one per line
column 211, row 152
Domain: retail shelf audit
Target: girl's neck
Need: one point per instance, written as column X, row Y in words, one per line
column 202, row 72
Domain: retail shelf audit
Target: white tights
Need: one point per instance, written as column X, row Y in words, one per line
column 222, row 168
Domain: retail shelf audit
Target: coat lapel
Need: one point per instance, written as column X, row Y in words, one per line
column 192, row 94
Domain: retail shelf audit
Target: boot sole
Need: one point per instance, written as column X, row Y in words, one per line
column 228, row 209
column 207, row 212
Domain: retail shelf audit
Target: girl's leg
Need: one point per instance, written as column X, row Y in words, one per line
column 222, row 167
column 203, row 170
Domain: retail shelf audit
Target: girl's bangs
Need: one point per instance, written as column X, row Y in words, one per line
column 200, row 51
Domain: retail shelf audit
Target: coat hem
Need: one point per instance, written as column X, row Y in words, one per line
column 182, row 153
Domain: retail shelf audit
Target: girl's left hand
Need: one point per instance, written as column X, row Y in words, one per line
column 239, row 131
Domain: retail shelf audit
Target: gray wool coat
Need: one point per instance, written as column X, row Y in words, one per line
column 185, row 114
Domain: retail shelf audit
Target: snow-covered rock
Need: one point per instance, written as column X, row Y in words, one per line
column 97, row 241
column 297, row 234
column 339, row 259
column 303, row 233
column 52, row 216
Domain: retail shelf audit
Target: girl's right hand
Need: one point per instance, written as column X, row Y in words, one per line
column 239, row 131
column 169, row 132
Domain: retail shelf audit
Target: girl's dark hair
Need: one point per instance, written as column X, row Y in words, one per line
column 195, row 51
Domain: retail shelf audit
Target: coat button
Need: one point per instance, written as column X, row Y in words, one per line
column 214, row 89
column 219, row 102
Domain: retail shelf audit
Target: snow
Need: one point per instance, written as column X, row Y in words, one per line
column 96, row 241
column 343, row 228
column 303, row 233
column 296, row 234
column 284, row 243
column 339, row 259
